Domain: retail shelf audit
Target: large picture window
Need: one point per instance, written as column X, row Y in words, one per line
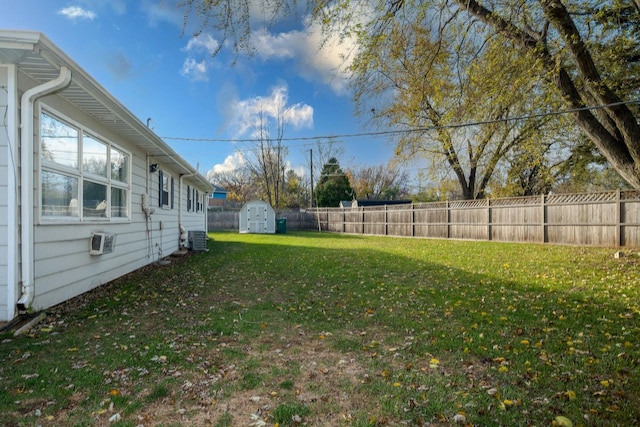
column 83, row 176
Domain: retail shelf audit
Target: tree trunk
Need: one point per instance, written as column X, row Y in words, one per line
column 616, row 134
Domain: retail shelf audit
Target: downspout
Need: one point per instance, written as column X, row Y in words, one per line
column 183, row 231
column 206, row 213
column 26, row 180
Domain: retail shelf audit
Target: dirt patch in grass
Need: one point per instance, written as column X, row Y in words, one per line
column 287, row 371
column 231, row 380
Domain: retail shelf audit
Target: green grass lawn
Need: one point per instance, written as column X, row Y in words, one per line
column 339, row 330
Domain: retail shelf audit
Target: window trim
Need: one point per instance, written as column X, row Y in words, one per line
column 79, row 173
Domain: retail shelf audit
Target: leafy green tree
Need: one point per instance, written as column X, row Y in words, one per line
column 333, row 185
column 528, row 174
column 423, row 83
column 584, row 53
column 295, row 192
column 589, row 51
column 587, row 170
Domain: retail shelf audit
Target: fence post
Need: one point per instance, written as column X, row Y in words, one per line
column 386, row 221
column 489, row 219
column 543, row 230
column 344, row 220
column 619, row 218
column 448, row 220
column 326, row 211
column 413, row 220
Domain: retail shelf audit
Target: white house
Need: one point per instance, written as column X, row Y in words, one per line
column 87, row 191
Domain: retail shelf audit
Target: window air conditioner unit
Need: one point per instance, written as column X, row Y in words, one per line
column 102, row 243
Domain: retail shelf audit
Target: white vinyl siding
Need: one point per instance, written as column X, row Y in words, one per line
column 99, row 153
column 5, row 171
column 193, row 214
column 139, row 242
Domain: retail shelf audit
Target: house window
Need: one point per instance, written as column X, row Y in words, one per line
column 119, row 161
column 59, row 142
column 194, row 200
column 59, row 194
column 94, row 156
column 83, row 177
column 165, row 190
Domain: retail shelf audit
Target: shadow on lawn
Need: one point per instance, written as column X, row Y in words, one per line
column 532, row 333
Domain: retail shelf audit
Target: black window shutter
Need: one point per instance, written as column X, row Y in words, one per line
column 160, row 179
column 171, row 192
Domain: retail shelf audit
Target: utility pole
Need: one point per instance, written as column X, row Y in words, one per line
column 311, row 163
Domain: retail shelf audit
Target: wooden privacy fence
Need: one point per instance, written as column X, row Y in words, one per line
column 607, row 219
column 230, row 220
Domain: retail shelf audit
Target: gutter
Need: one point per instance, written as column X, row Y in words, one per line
column 26, row 180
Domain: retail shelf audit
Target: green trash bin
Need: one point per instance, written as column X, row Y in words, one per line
column 281, row 225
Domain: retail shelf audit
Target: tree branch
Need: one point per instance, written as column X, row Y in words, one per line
column 623, row 151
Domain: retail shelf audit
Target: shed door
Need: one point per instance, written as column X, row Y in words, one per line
column 257, row 219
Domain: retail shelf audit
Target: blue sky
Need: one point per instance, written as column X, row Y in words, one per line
column 137, row 52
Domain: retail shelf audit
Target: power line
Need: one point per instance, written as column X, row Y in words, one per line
column 414, row 130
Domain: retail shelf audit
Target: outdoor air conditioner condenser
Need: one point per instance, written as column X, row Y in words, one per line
column 198, row 240
column 102, row 243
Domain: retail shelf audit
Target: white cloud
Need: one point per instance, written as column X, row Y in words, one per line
column 316, row 59
column 202, row 43
column 329, row 64
column 196, row 67
column 280, row 46
column 255, row 114
column 194, row 70
column 75, row 13
column 301, row 171
column 231, row 163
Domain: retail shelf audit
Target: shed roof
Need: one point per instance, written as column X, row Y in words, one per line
column 40, row 60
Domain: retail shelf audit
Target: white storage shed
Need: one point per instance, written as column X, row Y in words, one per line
column 257, row 216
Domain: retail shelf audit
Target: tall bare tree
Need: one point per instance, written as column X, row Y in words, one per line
column 267, row 158
column 381, row 182
column 238, row 183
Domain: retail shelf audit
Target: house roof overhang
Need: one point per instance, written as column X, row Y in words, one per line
column 40, row 60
